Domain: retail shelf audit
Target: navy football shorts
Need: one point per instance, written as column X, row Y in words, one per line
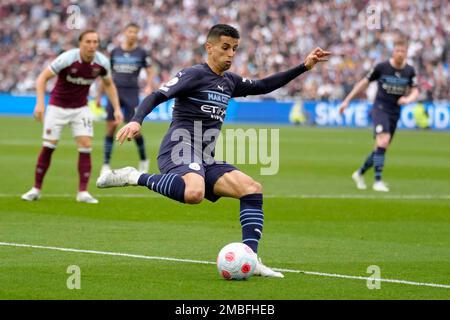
column 211, row 171
column 128, row 99
column 383, row 121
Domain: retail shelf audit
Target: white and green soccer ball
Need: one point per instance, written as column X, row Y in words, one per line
column 236, row 261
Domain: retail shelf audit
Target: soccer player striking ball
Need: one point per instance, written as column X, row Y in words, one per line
column 126, row 63
column 189, row 172
column 76, row 70
column 394, row 78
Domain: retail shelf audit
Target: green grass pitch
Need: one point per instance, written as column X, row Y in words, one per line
column 316, row 221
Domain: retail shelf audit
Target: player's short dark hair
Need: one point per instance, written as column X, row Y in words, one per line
column 131, row 25
column 400, row 38
column 85, row 32
column 222, row 30
column 401, row 41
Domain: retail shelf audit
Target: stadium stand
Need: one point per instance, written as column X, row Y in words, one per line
column 276, row 33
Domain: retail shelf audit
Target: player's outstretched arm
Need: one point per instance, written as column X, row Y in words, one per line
column 278, row 80
column 359, row 87
column 41, row 83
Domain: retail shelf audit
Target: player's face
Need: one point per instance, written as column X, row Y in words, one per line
column 131, row 34
column 399, row 54
column 88, row 45
column 222, row 52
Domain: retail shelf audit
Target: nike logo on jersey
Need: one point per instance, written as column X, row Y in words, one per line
column 221, row 88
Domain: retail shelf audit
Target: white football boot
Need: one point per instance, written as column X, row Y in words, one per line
column 380, row 186
column 144, row 166
column 32, row 195
column 263, row 271
column 127, row 176
column 84, row 196
column 359, row 180
column 105, row 167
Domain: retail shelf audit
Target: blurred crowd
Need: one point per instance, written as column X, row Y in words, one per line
column 275, row 35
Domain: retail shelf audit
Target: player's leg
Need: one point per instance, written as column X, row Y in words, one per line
column 111, row 128
column 379, row 122
column 181, row 178
column 384, row 128
column 224, row 180
column 144, row 163
column 382, row 143
column 187, row 187
column 238, row 185
column 83, row 131
column 84, row 144
column 54, row 122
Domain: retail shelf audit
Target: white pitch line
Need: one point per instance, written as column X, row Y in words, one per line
column 138, row 256
column 290, row 196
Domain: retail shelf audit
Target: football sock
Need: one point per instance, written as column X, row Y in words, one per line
column 170, row 185
column 141, row 147
column 367, row 164
column 109, row 142
column 84, row 167
column 43, row 163
column 378, row 162
column 252, row 219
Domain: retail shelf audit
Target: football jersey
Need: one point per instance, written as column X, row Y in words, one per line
column 202, row 96
column 392, row 84
column 75, row 76
column 126, row 65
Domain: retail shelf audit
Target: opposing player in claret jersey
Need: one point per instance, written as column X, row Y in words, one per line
column 189, row 172
column 395, row 77
column 127, row 60
column 76, row 70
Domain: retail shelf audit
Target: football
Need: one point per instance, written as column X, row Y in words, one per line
column 236, row 261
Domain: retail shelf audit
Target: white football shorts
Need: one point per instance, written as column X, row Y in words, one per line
column 80, row 121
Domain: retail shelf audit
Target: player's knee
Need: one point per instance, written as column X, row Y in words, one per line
column 85, row 145
column 194, row 196
column 253, row 187
column 383, row 142
column 83, row 141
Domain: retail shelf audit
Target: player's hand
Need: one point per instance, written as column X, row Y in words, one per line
column 402, row 101
column 38, row 112
column 118, row 117
column 317, row 55
column 343, row 106
column 128, row 132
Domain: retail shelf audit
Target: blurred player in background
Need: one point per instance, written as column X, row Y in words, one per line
column 76, row 69
column 395, row 77
column 201, row 95
column 126, row 63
